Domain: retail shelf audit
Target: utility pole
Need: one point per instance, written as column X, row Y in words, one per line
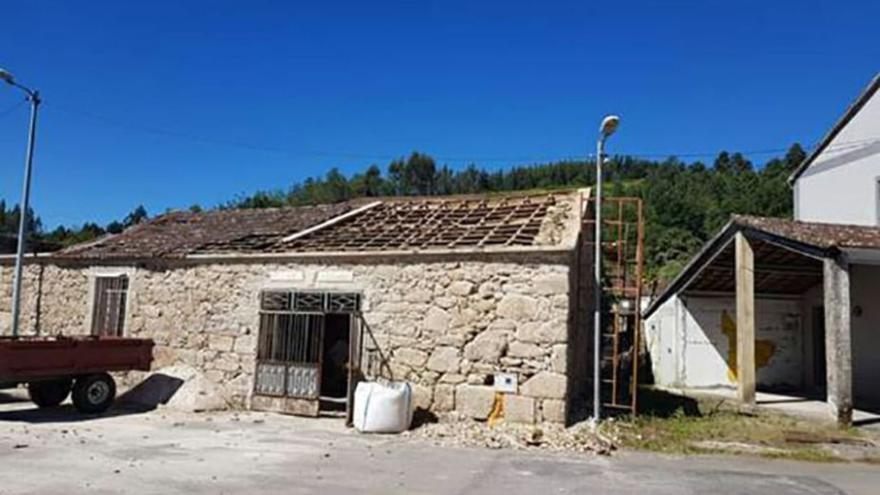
column 609, row 125
column 34, row 98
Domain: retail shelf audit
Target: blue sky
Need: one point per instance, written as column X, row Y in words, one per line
column 174, row 103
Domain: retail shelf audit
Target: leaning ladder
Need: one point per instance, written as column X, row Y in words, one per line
column 623, row 266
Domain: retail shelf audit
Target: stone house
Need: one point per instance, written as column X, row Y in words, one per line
column 285, row 309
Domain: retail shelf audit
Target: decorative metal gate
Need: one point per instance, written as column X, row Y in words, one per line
column 291, row 340
column 289, row 354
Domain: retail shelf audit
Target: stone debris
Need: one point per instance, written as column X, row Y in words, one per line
column 456, row 430
column 177, row 388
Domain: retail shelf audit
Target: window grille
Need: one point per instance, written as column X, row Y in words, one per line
column 343, row 302
column 308, row 301
column 108, row 311
column 275, row 301
column 290, row 338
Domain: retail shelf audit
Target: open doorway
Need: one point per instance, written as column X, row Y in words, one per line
column 307, row 353
column 335, row 362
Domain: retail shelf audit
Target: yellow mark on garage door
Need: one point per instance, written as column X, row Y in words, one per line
column 764, row 349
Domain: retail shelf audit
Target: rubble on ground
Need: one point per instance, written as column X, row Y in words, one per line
column 178, row 388
column 454, row 430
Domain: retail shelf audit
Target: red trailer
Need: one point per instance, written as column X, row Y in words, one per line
column 54, row 367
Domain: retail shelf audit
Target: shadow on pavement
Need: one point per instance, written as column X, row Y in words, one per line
column 143, row 397
column 64, row 414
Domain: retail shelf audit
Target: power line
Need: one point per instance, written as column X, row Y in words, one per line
column 10, row 109
column 389, row 157
column 707, row 154
column 283, row 151
column 835, row 146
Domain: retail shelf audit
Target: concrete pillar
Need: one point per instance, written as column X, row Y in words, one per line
column 838, row 340
column 745, row 320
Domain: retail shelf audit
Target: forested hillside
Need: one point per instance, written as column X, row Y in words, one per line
column 686, row 203
column 63, row 236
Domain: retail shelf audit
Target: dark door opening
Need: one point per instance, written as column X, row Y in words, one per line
column 335, row 361
column 819, row 369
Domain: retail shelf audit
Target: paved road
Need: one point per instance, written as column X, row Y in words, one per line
column 252, row 453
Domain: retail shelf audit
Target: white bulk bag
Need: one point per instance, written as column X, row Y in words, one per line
column 382, row 407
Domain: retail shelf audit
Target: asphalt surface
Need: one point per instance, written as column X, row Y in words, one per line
column 58, row 451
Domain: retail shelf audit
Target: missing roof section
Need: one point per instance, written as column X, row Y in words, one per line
column 445, row 223
column 510, row 221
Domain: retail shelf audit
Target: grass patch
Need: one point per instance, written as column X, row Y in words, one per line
column 677, row 425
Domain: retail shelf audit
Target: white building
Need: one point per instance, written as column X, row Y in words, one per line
column 840, row 181
column 788, row 305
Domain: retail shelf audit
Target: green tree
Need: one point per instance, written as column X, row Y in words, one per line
column 115, row 227
column 137, row 215
column 369, row 184
column 685, row 203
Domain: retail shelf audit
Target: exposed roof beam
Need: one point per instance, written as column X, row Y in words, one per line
column 330, row 222
column 790, row 244
column 775, row 269
column 716, row 246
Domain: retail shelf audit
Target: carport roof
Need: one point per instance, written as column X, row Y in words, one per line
column 787, row 254
column 818, row 235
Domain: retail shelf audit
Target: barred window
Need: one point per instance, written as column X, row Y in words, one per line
column 290, row 337
column 108, row 311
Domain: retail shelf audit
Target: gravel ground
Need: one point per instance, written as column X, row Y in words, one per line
column 452, row 430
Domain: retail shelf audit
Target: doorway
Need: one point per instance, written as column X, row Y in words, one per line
column 335, row 362
column 307, row 353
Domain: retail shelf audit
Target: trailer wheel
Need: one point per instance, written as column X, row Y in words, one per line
column 49, row 393
column 94, row 393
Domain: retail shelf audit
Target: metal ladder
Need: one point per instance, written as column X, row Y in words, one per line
column 623, row 263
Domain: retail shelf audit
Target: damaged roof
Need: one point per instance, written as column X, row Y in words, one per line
column 177, row 234
column 787, row 256
column 364, row 225
column 443, row 223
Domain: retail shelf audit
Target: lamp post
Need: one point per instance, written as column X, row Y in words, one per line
column 609, row 125
column 33, row 97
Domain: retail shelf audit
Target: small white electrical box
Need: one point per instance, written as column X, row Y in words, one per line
column 505, row 382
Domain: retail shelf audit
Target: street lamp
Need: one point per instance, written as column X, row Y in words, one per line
column 609, row 125
column 33, row 97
